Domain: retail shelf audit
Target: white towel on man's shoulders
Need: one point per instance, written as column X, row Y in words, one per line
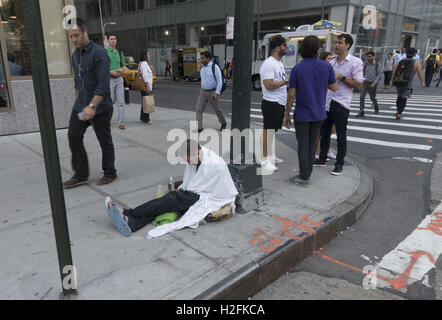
column 213, row 183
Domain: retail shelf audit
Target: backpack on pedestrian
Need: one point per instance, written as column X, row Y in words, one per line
column 404, row 73
column 431, row 62
column 223, row 78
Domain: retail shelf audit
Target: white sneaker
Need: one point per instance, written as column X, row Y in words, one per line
column 268, row 165
column 277, row 160
column 331, row 155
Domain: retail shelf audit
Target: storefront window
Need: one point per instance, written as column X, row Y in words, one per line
column 56, row 41
column 4, row 98
column 14, row 29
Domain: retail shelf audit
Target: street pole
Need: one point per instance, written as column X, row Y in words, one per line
column 323, row 10
column 248, row 182
column 258, row 27
column 34, row 34
column 101, row 19
column 225, row 45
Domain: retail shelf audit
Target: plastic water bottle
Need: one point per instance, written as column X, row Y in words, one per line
column 171, row 184
column 159, row 191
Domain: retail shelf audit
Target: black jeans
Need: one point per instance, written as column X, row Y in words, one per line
column 401, row 103
column 175, row 201
column 337, row 115
column 387, row 77
column 144, row 117
column 306, row 135
column 102, row 126
column 440, row 78
column 429, row 73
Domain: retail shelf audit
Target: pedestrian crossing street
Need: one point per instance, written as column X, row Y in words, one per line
column 420, row 128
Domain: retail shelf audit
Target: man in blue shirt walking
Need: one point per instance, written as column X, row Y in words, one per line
column 211, row 86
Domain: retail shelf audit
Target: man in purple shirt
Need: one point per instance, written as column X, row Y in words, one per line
column 349, row 72
column 309, row 82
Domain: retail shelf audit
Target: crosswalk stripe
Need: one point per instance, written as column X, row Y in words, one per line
column 373, row 141
column 390, row 144
column 419, row 109
column 420, row 102
column 394, row 112
column 426, row 105
column 394, row 124
column 407, row 118
column 421, row 98
column 414, row 96
column 397, row 133
column 382, row 117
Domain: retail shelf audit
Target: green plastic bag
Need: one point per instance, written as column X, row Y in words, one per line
column 164, row 218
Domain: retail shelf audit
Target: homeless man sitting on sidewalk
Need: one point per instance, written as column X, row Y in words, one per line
column 207, row 186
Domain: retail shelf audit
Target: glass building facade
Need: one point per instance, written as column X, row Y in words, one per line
column 195, row 23
column 399, row 24
column 17, row 103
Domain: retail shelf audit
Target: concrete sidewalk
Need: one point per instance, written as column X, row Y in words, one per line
column 233, row 258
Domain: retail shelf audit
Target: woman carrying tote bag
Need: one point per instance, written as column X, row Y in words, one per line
column 148, row 102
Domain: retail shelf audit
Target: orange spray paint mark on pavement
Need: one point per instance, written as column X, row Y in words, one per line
column 397, row 284
column 435, row 225
column 270, row 248
column 430, row 141
column 402, row 281
column 261, row 236
column 419, row 173
column 288, row 224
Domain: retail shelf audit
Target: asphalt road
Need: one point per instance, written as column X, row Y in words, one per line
column 401, row 167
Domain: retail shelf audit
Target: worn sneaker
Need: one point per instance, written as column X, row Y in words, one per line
column 223, row 127
column 360, row 115
column 376, row 111
column 105, row 180
column 319, row 163
column 338, row 170
column 74, row 182
column 219, row 215
column 300, row 182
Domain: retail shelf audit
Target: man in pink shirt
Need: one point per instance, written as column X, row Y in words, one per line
column 349, row 73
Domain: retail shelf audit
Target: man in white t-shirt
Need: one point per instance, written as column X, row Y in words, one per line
column 274, row 90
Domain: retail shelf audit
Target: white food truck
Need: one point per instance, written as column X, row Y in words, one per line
column 294, row 39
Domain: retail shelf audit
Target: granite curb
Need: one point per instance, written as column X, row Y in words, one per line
column 256, row 275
